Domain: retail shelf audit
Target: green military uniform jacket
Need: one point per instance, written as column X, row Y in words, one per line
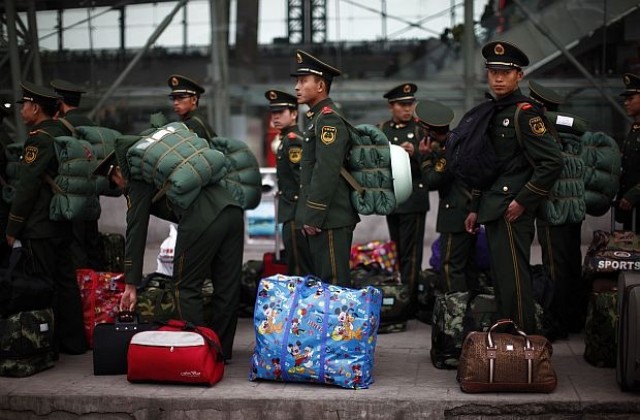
column 518, row 179
column 288, row 158
column 325, row 195
column 198, row 124
column 192, row 221
column 455, row 199
column 29, row 214
column 630, row 179
column 77, row 118
column 398, row 133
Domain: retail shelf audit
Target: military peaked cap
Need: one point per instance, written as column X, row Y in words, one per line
column 307, row 64
column 108, row 163
column 402, row 93
column 279, row 100
column 70, row 93
column 543, row 95
column 183, row 86
column 38, row 94
column 632, row 84
column 433, row 114
column 503, row 55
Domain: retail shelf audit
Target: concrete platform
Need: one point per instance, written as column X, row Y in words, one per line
column 407, row 387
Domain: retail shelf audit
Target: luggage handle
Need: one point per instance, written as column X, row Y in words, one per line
column 189, row 326
column 492, row 349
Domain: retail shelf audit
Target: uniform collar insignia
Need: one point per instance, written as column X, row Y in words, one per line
column 309, row 114
column 636, row 126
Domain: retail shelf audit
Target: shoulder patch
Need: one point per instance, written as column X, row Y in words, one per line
column 328, row 134
column 30, row 154
column 537, row 126
column 326, row 110
column 295, row 154
column 526, row 105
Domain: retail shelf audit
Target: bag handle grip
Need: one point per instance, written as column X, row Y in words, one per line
column 492, row 350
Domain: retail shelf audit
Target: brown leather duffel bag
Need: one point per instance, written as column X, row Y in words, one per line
column 493, row 362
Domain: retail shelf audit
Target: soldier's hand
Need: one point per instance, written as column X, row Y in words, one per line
column 625, row 204
column 408, row 147
column 470, row 223
column 514, row 211
column 129, row 298
column 425, row 145
column 310, row 230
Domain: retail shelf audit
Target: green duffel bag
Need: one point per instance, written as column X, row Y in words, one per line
column 26, row 343
column 102, row 140
column 156, row 299
column 242, row 179
column 176, row 161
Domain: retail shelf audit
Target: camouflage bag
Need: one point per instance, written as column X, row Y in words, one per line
column 395, row 296
column 251, row 275
column 600, row 326
column 26, row 343
column 156, row 299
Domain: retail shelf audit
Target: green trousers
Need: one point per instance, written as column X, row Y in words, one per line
column 407, row 231
column 510, row 250
column 330, row 253
column 216, row 255
column 297, row 250
column 459, row 270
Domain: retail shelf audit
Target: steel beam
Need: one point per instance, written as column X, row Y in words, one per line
column 468, row 51
column 218, row 110
column 154, row 36
column 10, row 11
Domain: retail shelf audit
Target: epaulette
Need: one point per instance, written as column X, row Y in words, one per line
column 292, row 135
column 326, row 110
column 525, row 105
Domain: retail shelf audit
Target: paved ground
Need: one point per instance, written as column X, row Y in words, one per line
column 407, row 387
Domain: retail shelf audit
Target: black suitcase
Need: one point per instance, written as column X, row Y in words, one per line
column 112, row 245
column 627, row 372
column 111, row 343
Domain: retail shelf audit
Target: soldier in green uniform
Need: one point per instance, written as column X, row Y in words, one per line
column 406, row 223
column 45, row 242
column 508, row 206
column 457, row 246
column 325, row 211
column 185, row 97
column 85, row 246
column 629, row 194
column 560, row 236
column 210, row 244
column 69, row 113
column 284, row 117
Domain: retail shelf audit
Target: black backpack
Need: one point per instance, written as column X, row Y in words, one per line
column 469, row 152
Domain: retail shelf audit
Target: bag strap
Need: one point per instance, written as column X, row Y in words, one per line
column 188, row 326
column 492, row 350
column 203, row 125
column 68, row 125
column 46, row 177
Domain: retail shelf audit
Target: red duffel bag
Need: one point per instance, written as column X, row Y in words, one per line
column 178, row 352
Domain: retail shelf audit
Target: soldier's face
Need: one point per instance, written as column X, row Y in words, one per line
column 28, row 112
column 182, row 105
column 309, row 89
column 503, row 82
column 283, row 118
column 632, row 105
column 402, row 111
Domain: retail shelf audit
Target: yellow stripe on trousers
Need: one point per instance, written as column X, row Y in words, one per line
column 520, row 319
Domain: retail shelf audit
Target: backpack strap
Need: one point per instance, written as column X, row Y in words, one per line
column 46, row 177
column 68, row 125
column 204, row 126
